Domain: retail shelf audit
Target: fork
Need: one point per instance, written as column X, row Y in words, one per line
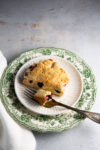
column 29, row 92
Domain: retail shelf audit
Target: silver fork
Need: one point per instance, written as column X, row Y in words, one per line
column 91, row 115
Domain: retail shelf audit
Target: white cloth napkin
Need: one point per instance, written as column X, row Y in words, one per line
column 13, row 136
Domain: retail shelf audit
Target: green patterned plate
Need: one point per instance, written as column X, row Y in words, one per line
column 39, row 122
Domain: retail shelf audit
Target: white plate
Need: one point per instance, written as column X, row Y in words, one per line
column 72, row 92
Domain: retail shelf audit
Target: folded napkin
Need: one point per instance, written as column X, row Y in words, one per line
column 13, row 136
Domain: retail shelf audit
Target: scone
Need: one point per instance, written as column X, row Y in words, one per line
column 44, row 98
column 46, row 75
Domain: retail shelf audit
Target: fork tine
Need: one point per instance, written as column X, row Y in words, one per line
column 30, row 96
column 31, row 89
column 29, row 93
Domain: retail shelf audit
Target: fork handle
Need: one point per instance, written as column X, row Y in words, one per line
column 91, row 115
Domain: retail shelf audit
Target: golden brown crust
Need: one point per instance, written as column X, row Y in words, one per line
column 46, row 75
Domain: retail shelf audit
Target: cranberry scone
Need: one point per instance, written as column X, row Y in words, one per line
column 46, row 75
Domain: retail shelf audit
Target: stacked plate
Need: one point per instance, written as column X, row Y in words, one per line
column 80, row 92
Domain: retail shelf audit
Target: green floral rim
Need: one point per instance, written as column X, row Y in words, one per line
column 39, row 122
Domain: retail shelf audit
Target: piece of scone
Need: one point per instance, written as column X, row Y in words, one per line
column 44, row 98
column 46, row 75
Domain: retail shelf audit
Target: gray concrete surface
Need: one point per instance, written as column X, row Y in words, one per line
column 74, row 25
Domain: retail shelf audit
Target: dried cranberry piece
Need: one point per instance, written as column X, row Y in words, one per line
column 31, row 81
column 32, row 67
column 57, row 91
column 40, row 84
column 48, row 97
